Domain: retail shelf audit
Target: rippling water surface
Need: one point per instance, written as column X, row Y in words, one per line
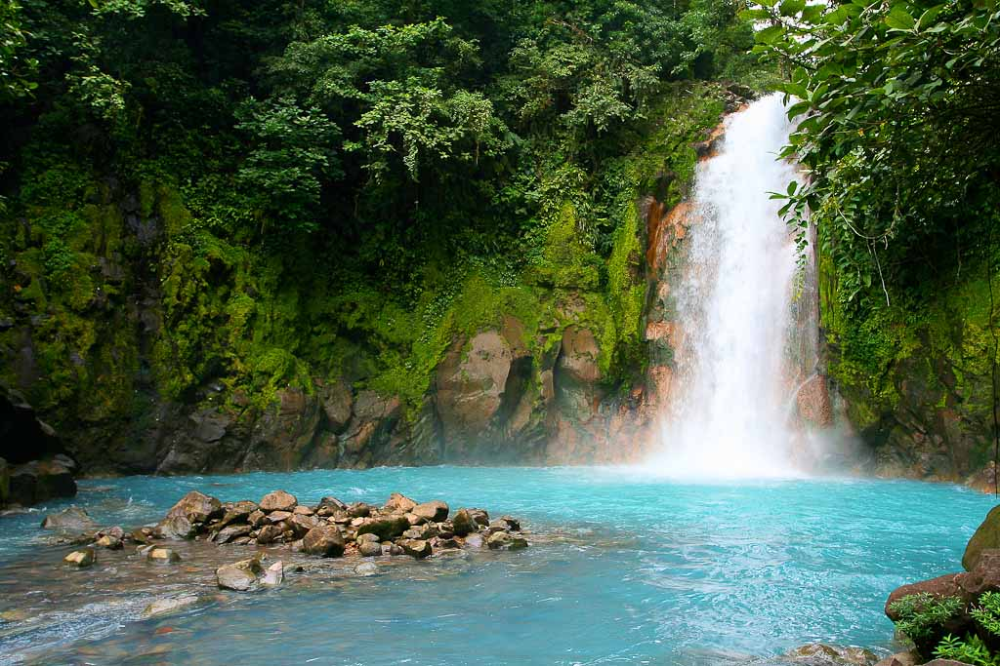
column 623, row 569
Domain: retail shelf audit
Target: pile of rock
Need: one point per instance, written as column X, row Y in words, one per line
column 331, row 528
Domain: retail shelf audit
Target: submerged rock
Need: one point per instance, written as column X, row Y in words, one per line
column 73, row 520
column 163, row 556
column 901, row 659
column 170, row 605
column 820, row 654
column 240, row 576
column 506, row 541
column 366, row 569
column 84, row 557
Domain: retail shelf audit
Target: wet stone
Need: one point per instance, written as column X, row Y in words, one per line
column 170, row 605
column 274, row 575
column 163, row 556
column 82, row 558
column 417, row 548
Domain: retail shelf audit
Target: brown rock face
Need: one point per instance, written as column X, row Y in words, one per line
column 470, row 388
column 813, row 401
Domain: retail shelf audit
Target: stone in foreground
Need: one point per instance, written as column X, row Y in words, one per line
column 324, row 540
column 82, row 558
column 275, row 574
column 163, row 556
column 417, row 548
column 240, row 576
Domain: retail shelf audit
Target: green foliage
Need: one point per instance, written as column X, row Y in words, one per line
column 337, row 190
column 972, row 651
column 292, row 152
column 922, row 615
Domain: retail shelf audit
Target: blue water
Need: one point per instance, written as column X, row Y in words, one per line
column 623, row 569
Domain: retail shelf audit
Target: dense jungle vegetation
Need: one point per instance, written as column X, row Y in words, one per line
column 315, row 186
column 898, row 104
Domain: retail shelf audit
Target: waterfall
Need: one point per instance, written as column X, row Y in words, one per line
column 727, row 414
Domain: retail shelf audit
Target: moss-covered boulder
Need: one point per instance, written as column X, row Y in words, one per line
column 986, row 537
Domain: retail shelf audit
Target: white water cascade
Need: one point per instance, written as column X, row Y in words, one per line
column 727, row 413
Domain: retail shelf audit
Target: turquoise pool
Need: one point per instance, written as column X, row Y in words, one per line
column 632, row 570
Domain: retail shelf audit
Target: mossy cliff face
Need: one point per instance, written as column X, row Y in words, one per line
column 916, row 377
column 156, row 336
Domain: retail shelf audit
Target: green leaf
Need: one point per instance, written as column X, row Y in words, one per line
column 899, row 19
column 770, row 35
column 928, row 17
column 792, row 186
column 754, row 14
column 792, row 7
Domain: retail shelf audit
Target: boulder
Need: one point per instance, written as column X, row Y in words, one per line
column 302, row 510
column 163, row 556
column 109, row 541
column 369, row 548
column 986, row 537
column 463, row 523
column 72, row 520
column 435, row 511
column 399, row 503
column 324, row 540
column 417, row 548
column 275, row 575
column 231, row 532
column 302, row 524
column 170, row 605
column 177, row 528
column 359, row 510
column 278, row 500
column 505, row 541
column 385, row 527
column 240, row 576
column 196, row 507
column 332, row 503
column 257, row 518
column 474, row 541
column 392, row 549
column 84, row 557
column 237, row 511
column 269, row 534
column 278, row 516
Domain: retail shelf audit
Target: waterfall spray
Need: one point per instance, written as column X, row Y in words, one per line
column 727, row 415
